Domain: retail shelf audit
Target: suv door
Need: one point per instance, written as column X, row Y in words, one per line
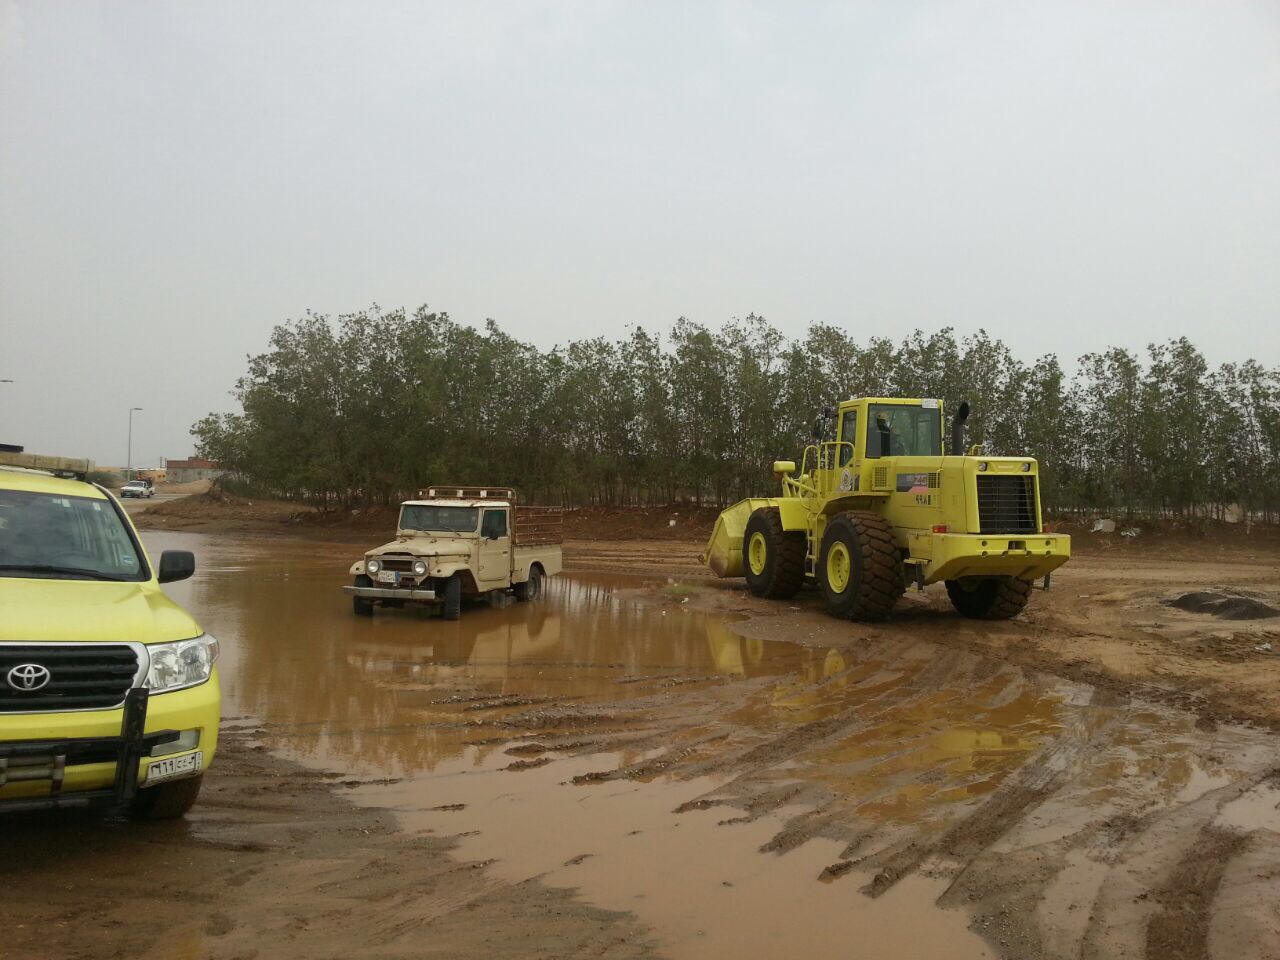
column 494, row 567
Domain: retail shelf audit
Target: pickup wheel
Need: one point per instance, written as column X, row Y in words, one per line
column 772, row 558
column 989, row 598
column 452, row 594
column 362, row 606
column 859, row 567
column 531, row 589
column 168, row 801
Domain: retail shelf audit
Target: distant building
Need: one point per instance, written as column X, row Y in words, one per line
column 193, row 468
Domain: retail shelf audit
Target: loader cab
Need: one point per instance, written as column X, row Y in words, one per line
column 873, row 428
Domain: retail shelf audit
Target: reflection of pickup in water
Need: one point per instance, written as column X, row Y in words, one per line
column 460, row 540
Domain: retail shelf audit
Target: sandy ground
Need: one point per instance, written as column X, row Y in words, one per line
column 1097, row 778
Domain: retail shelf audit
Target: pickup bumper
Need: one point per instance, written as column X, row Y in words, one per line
column 949, row 556
column 389, row 593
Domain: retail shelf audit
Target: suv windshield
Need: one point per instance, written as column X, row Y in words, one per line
column 894, row 430
column 48, row 536
column 438, row 519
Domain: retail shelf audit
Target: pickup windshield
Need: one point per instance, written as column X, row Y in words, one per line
column 438, row 519
column 52, row 537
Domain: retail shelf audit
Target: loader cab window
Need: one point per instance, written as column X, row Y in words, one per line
column 848, row 434
column 494, row 525
column 894, row 430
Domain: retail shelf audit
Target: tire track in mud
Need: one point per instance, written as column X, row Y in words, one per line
column 1180, row 931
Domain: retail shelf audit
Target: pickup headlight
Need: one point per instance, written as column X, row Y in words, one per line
column 419, row 568
column 373, row 566
column 182, row 664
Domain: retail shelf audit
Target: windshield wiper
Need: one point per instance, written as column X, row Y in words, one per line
column 52, row 568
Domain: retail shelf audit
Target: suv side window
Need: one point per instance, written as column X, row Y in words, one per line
column 494, row 524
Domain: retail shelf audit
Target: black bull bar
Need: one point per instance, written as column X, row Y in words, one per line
column 28, row 760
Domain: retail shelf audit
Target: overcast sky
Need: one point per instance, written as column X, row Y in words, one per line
column 176, row 178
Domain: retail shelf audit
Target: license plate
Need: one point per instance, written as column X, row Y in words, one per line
column 386, row 576
column 174, row 768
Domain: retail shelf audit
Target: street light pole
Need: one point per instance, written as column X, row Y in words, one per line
column 128, row 466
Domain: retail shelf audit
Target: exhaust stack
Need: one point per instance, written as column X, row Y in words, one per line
column 957, row 429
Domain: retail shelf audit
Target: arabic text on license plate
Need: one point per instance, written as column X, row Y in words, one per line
column 171, row 768
column 386, row 576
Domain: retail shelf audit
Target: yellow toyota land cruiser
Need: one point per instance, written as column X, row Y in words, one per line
column 108, row 690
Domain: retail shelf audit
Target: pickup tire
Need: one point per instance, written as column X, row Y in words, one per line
column 168, row 801
column 531, row 589
column 772, row 558
column 989, row 598
column 362, row 606
column 452, row 595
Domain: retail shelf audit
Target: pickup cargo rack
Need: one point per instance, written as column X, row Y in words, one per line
column 534, row 526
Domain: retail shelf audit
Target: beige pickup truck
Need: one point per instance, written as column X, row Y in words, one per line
column 460, row 540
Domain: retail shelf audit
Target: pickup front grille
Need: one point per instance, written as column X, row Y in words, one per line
column 400, row 564
column 1006, row 503
column 88, row 676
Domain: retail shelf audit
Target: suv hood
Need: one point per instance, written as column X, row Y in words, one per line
column 45, row 610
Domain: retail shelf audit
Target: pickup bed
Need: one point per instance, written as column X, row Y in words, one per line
column 458, row 541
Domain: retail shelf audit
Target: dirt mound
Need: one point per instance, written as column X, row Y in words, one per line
column 1224, row 606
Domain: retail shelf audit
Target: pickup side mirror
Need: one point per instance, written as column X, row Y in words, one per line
column 176, row 565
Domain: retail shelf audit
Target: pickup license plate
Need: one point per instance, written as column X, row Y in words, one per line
column 386, row 576
column 174, row 768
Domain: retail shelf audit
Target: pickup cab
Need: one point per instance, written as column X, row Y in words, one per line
column 455, row 541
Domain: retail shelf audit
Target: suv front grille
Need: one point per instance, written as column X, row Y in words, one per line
column 1006, row 503
column 85, row 676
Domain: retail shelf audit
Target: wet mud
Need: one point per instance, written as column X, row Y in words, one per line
column 686, row 772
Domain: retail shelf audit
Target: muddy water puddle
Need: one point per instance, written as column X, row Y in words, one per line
column 582, row 740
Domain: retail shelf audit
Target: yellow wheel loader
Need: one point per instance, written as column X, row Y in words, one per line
column 885, row 505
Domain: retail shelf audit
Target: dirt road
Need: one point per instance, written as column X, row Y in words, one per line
column 668, row 767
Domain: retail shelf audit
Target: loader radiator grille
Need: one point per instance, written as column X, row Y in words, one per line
column 1006, row 504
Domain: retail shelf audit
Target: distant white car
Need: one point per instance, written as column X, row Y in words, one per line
column 137, row 488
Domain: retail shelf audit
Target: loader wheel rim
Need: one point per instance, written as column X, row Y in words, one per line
column 838, row 566
column 757, row 553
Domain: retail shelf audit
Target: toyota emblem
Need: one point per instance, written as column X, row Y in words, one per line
column 29, row 676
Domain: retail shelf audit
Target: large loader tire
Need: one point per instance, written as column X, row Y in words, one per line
column 772, row 558
column 859, row 566
column 989, row 598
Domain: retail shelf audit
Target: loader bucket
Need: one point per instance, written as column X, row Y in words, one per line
column 724, row 550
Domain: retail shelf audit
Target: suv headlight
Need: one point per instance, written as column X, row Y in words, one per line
column 420, row 568
column 373, row 566
column 182, row 664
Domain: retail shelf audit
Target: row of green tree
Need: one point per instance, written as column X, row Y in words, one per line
column 370, row 406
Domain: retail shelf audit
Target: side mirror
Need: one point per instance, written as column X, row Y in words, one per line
column 782, row 467
column 176, row 565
